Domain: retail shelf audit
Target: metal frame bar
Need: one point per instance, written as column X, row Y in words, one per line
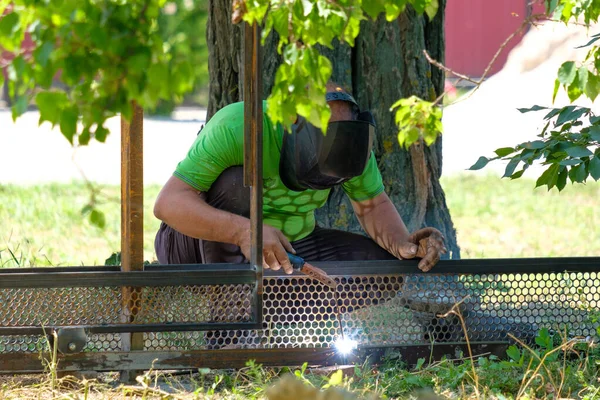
column 80, row 278
column 253, row 153
column 192, row 359
column 133, row 328
column 132, row 214
column 164, row 275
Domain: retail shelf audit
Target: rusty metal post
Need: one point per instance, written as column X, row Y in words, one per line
column 132, row 219
column 253, row 149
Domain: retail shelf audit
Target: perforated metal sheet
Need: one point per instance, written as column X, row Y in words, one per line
column 387, row 310
column 376, row 310
column 88, row 306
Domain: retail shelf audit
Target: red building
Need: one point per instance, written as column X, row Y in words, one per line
column 475, row 30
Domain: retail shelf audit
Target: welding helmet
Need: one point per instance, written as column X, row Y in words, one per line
column 313, row 160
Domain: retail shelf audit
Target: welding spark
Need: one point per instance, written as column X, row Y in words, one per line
column 345, row 345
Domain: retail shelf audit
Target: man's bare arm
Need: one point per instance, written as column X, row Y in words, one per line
column 185, row 209
column 382, row 222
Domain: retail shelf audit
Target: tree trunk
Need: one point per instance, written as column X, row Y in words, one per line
column 386, row 64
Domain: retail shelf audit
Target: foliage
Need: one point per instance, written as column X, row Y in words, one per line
column 571, row 150
column 108, row 54
column 300, row 81
column 106, row 66
column 182, row 27
column 417, row 118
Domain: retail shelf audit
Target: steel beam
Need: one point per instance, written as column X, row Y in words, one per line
column 253, row 153
column 141, row 328
column 226, row 359
column 80, row 278
column 132, row 215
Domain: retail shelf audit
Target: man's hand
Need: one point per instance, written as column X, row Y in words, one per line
column 275, row 245
column 427, row 244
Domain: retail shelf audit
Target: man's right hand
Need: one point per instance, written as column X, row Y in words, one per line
column 275, row 248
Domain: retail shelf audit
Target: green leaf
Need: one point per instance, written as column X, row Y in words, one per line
column 9, row 23
column 517, row 174
column 567, row 72
column 511, row 166
column 513, row 353
column 43, row 52
column 481, row 162
column 373, row 7
column 115, row 259
column 553, row 113
column 551, row 6
column 544, row 339
column 336, row 378
column 578, row 173
column 97, row 218
column 555, row 92
column 592, row 89
column 570, row 113
column 571, row 161
column 431, row 9
column 101, row 133
column 50, row 105
column 534, row 145
column 582, row 76
column 534, row 108
column 549, row 177
column 578, row 151
column 68, row 123
column 574, row 90
column 594, row 167
column 19, row 107
column 561, row 182
column 588, row 43
column 594, row 133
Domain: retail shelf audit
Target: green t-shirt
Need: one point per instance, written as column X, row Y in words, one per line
column 220, row 145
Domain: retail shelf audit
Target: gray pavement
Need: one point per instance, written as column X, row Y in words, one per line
column 32, row 154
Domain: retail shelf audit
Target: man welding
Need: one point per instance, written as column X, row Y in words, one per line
column 204, row 207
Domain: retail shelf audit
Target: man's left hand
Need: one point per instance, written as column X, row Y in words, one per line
column 427, row 244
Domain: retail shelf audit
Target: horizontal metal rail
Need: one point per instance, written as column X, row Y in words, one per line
column 463, row 267
column 81, row 277
column 235, row 358
column 121, row 328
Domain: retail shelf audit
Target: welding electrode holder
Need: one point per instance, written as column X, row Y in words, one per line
column 296, row 261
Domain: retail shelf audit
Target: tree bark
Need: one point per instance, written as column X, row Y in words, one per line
column 387, row 63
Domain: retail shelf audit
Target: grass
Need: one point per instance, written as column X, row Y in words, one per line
column 565, row 370
column 498, row 218
column 43, row 225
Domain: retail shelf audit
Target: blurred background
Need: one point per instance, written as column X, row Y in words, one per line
column 45, row 183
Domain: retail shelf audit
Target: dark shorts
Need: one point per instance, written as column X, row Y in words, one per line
column 229, row 194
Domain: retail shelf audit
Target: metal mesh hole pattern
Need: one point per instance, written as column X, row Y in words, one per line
column 60, row 306
column 113, row 305
column 23, row 344
column 101, row 342
column 374, row 310
column 408, row 309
